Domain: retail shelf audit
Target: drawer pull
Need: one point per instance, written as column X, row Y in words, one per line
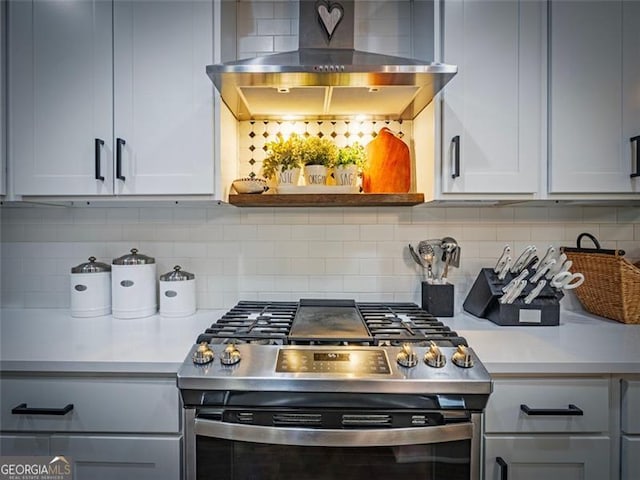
column 571, row 410
column 22, row 409
column 504, row 468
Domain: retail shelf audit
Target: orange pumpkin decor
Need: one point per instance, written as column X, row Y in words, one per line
column 388, row 167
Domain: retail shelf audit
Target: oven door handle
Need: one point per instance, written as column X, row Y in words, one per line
column 309, row 437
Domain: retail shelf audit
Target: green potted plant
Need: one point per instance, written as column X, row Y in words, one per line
column 318, row 154
column 350, row 161
column 283, row 160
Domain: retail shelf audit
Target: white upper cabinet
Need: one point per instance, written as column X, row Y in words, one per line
column 3, row 100
column 594, row 104
column 163, row 97
column 111, row 97
column 493, row 109
column 60, row 96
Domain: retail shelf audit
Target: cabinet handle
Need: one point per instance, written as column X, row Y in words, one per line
column 504, row 468
column 455, row 170
column 571, row 410
column 119, row 144
column 636, row 140
column 98, row 143
column 22, row 409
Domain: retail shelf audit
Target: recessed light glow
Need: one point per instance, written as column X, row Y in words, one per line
column 283, row 90
column 373, row 89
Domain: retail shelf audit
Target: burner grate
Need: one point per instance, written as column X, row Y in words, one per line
column 389, row 324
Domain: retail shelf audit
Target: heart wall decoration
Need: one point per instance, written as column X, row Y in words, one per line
column 329, row 15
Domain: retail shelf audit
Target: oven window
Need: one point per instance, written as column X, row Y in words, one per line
column 231, row 460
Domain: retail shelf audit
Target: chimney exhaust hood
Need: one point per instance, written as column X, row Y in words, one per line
column 326, row 77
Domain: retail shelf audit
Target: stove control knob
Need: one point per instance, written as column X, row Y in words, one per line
column 203, row 354
column 434, row 357
column 462, row 357
column 230, row 356
column 407, row 357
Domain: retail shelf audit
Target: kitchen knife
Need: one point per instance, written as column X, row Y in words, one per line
column 544, row 268
column 505, row 268
column 557, row 267
column 506, row 251
column 535, row 292
column 516, row 280
column 514, row 292
column 550, row 252
column 523, row 259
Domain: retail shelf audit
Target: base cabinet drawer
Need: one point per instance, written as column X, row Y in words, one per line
column 630, row 403
column 99, row 404
column 630, row 458
column 105, row 457
column 548, row 405
column 24, row 445
column 561, row 457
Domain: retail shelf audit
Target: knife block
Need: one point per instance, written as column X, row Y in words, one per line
column 437, row 298
column 482, row 301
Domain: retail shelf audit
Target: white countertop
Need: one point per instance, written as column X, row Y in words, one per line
column 51, row 340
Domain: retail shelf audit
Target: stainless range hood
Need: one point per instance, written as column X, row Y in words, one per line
column 326, row 77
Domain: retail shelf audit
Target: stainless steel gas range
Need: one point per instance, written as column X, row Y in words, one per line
column 323, row 389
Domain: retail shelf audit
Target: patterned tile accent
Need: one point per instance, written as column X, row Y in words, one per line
column 255, row 134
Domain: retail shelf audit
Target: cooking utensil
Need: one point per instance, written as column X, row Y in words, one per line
column 427, row 254
column 566, row 280
column 515, row 281
column 550, row 252
column 415, row 256
column 533, row 294
column 450, row 245
column 505, row 268
column 542, row 270
column 514, row 292
column 521, row 261
column 501, row 261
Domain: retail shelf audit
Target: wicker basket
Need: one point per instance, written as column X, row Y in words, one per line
column 612, row 284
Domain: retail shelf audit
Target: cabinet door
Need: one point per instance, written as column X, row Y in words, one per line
column 163, row 97
column 594, row 106
column 24, row 445
column 60, row 96
column 547, row 457
column 95, row 457
column 494, row 105
column 630, row 457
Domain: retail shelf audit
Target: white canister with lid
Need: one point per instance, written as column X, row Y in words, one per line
column 133, row 286
column 177, row 293
column 90, row 284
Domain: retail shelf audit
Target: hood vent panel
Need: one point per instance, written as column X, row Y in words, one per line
column 328, row 78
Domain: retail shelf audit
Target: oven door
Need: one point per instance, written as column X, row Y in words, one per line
column 231, row 451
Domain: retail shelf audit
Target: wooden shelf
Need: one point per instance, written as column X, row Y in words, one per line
column 327, row 200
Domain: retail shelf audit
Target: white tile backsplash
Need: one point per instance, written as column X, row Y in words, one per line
column 285, row 254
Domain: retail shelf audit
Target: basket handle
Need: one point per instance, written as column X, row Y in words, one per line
column 590, row 237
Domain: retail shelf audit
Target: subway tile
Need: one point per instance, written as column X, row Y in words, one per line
column 360, row 283
column 393, row 284
column 25, row 215
column 342, row 266
column 41, row 266
column 631, row 249
column 571, row 233
column 292, row 249
column 292, row 216
column 206, row 233
column 171, row 233
column 564, row 214
column 256, row 9
column 327, row 249
column 511, row 233
column 497, row 215
column 376, row 266
column 463, row 214
column 274, row 26
column 628, row 214
column 636, row 232
column 156, row 215
column 223, row 249
column 326, row 216
column 184, row 215
column 307, row 266
column 377, row 232
column 285, row 43
column 273, row 232
column 428, row 214
column 260, row 44
column 156, row 249
column 257, row 283
column 308, row 232
column 360, row 215
column 620, row 232
column 347, row 233
column 47, row 300
column 390, row 249
column 412, row 233
column 362, row 249
column 287, row 283
column 123, row 215
column 41, row 232
column 223, row 215
column 599, row 215
column 479, row 232
column 257, row 216
column 531, row 214
column 12, row 298
column 326, row 283
column 57, row 215
column 190, row 249
column 239, row 232
column 208, row 266
column 12, row 233
column 285, row 9
column 395, row 216
column 257, row 249
column 547, row 233
column 145, row 232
